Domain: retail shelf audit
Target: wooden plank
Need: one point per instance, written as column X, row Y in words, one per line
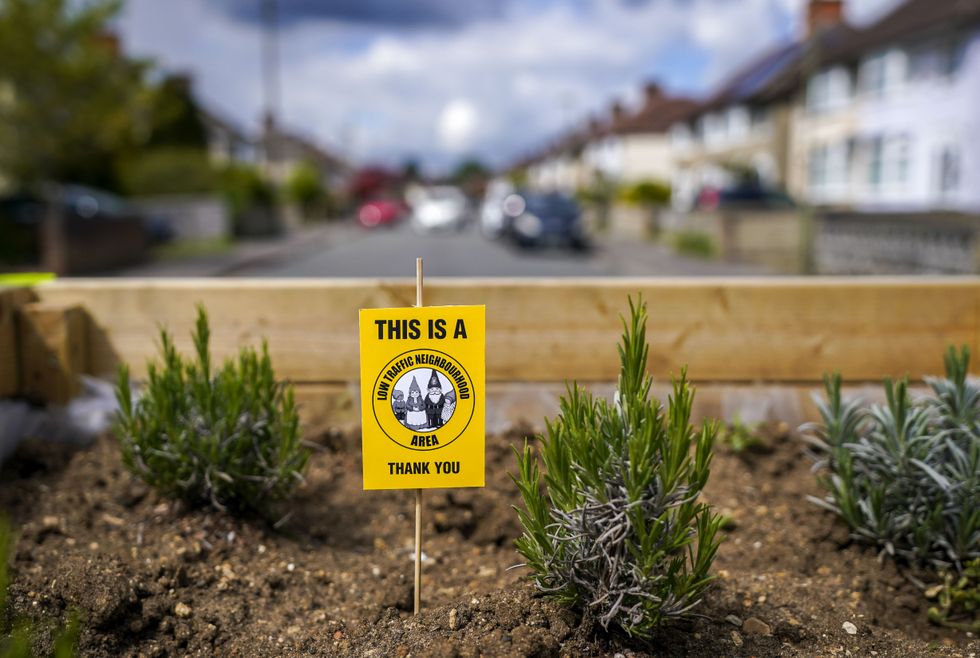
column 527, row 404
column 767, row 329
column 52, row 350
column 10, row 299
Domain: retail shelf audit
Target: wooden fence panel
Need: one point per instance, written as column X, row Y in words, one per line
column 766, row 329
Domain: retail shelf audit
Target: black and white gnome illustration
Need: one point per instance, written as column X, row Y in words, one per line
column 423, row 410
column 435, row 401
column 398, row 405
column 415, row 409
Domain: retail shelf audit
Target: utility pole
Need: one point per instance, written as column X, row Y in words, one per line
column 272, row 89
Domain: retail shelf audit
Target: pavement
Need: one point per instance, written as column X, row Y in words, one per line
column 343, row 249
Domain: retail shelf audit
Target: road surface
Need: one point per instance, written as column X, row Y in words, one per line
column 348, row 251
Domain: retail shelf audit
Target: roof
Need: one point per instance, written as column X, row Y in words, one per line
column 911, row 19
column 289, row 145
column 654, row 117
column 752, row 80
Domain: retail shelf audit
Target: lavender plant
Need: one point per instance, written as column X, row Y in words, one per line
column 227, row 437
column 906, row 476
column 619, row 530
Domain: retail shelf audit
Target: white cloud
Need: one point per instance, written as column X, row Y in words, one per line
column 497, row 87
column 458, row 123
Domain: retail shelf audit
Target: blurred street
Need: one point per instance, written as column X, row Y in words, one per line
column 347, row 251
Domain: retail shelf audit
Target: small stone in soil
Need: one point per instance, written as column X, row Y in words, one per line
column 453, row 619
column 736, row 639
column 755, row 626
column 182, row 610
column 850, row 628
column 734, row 621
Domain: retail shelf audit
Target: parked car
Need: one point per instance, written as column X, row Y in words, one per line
column 100, row 229
column 441, row 207
column 380, row 212
column 742, row 196
column 492, row 216
column 544, row 219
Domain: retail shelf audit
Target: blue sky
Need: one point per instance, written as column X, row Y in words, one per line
column 439, row 80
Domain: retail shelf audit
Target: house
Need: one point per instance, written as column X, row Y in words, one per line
column 626, row 147
column 226, row 142
column 743, row 128
column 636, row 147
column 889, row 118
column 282, row 151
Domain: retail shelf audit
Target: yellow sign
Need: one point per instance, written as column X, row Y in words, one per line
column 422, row 397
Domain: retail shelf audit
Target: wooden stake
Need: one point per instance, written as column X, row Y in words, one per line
column 418, row 492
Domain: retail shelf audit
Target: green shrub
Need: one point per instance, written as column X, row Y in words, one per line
column 17, row 636
column 244, row 188
column 619, row 531
column 694, row 243
column 742, row 438
column 646, row 193
column 228, row 438
column 304, row 188
column 169, row 171
column 906, row 476
column 957, row 599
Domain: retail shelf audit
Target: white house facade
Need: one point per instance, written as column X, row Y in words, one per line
column 894, row 128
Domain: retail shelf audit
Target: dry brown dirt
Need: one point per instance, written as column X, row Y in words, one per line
column 157, row 579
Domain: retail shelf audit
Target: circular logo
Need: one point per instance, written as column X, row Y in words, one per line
column 423, row 399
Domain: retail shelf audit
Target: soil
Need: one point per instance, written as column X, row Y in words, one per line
column 157, row 579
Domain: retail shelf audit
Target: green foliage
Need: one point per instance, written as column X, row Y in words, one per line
column 742, row 438
column 620, row 531
column 600, row 193
column 958, row 599
column 244, row 188
column 646, row 193
column 694, row 243
column 175, row 120
column 17, row 635
column 906, row 476
column 169, row 171
column 305, row 189
column 229, row 437
column 68, row 97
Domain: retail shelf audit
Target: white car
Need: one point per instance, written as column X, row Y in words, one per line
column 439, row 208
column 492, row 216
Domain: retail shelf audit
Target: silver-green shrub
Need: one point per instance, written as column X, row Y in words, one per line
column 618, row 528
column 905, row 476
column 227, row 437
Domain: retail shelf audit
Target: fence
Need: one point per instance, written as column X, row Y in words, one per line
column 766, row 334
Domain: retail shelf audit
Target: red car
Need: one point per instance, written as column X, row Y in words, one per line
column 379, row 213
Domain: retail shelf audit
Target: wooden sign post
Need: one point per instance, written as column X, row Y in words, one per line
column 423, row 371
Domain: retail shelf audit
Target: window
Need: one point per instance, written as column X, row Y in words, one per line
column 935, row 60
column 759, row 119
column 874, row 73
column 817, row 167
column 876, row 154
column 949, row 170
column 828, row 89
column 888, row 160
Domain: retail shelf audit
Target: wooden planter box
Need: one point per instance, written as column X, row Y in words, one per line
column 767, row 336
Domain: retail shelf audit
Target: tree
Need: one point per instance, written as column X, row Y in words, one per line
column 175, row 120
column 68, row 99
column 305, row 189
column 472, row 176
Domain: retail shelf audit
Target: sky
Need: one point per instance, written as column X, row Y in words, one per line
column 438, row 81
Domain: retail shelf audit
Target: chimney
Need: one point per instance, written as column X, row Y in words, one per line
column 618, row 112
column 652, row 93
column 821, row 14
